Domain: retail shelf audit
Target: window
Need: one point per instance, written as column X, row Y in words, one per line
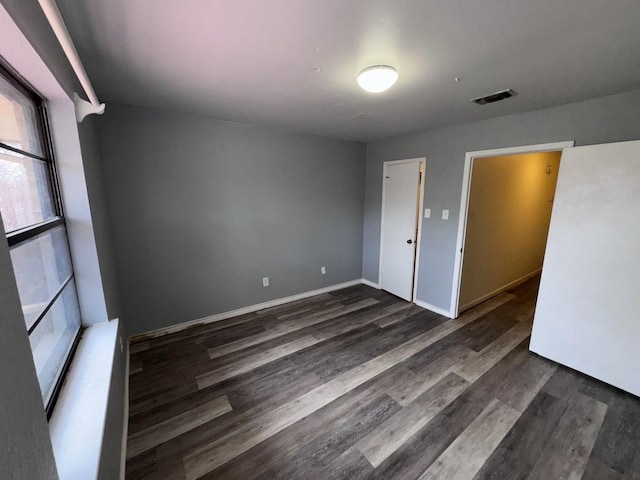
column 33, row 221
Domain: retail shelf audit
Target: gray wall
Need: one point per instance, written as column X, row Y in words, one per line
column 25, row 447
column 602, row 120
column 202, row 209
column 100, row 215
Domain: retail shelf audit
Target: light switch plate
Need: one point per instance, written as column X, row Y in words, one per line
column 427, row 213
column 265, row 281
column 445, row 214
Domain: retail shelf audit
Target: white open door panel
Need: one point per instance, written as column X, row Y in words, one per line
column 587, row 312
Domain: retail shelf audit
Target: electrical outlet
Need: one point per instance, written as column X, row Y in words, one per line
column 427, row 213
column 445, row 214
column 265, row 281
column 323, row 270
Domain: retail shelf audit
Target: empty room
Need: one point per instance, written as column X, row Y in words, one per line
column 298, row 239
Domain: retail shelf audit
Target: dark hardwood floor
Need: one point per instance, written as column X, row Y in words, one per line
column 358, row 384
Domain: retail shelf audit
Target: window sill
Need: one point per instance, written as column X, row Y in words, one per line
column 77, row 424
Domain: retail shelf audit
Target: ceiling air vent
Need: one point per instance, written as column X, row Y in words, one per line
column 495, row 97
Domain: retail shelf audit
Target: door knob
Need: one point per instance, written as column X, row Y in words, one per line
column 409, row 241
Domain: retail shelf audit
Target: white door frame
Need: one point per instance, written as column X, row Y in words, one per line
column 422, row 162
column 464, row 204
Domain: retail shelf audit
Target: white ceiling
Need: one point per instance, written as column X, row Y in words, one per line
column 292, row 64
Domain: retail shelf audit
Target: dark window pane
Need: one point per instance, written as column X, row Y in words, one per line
column 40, row 265
column 19, row 119
column 52, row 339
column 26, row 197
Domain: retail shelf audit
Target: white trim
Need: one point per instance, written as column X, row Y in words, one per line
column 125, row 420
column 78, row 422
column 241, row 311
column 81, row 222
column 499, row 290
column 541, row 147
column 406, row 160
column 464, row 204
column 422, row 166
column 370, row 283
column 416, row 262
column 433, row 308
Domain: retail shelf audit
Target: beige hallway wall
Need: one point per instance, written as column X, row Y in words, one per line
column 509, row 212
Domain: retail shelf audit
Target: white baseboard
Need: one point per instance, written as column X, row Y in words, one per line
column 497, row 291
column 433, row 308
column 370, row 283
column 241, row 311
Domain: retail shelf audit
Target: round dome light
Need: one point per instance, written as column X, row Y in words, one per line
column 377, row 79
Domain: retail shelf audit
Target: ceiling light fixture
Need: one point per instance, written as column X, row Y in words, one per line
column 378, row 78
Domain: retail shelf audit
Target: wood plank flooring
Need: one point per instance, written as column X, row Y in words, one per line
column 358, row 384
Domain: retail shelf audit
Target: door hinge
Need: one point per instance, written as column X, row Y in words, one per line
column 419, row 177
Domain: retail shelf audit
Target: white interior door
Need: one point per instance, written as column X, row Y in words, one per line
column 399, row 228
column 587, row 311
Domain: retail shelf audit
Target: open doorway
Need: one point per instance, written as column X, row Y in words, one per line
column 505, row 213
